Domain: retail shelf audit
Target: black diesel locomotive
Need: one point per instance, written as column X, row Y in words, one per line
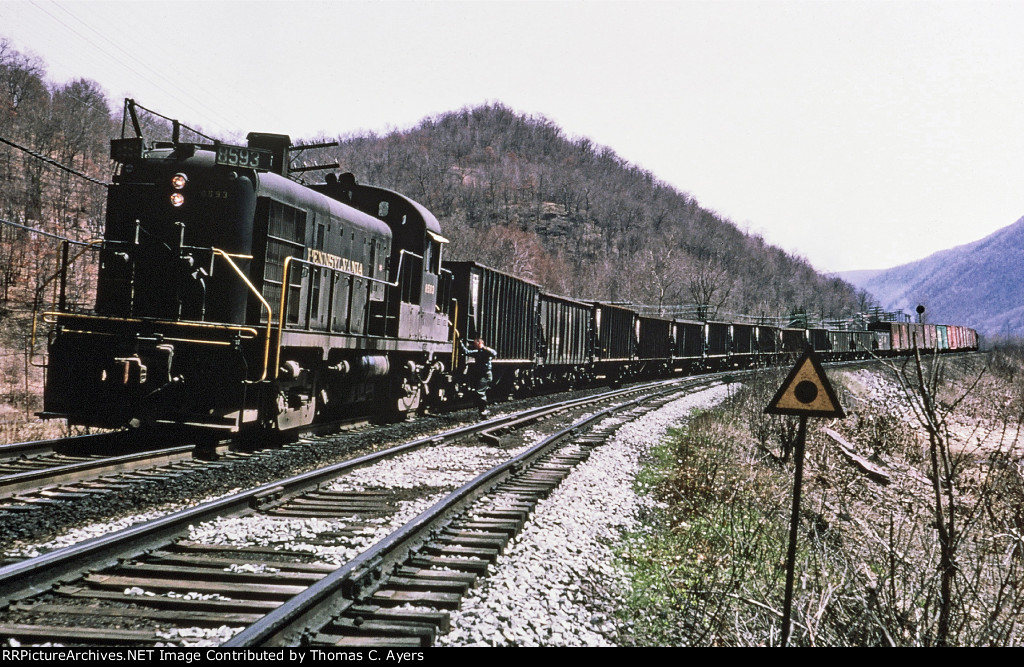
column 231, row 299
column 230, row 296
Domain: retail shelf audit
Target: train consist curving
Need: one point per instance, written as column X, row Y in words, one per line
column 231, row 298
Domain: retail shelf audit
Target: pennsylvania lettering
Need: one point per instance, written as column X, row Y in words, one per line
column 335, row 262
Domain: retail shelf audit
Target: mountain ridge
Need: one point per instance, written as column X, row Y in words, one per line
column 979, row 284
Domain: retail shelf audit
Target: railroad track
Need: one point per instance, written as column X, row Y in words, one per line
column 29, row 481
column 35, row 475
column 95, row 443
column 118, row 588
column 433, row 560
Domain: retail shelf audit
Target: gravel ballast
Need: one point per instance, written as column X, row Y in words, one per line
column 557, row 584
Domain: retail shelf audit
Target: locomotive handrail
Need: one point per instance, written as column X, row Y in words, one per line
column 62, row 266
column 286, row 274
column 51, row 316
column 252, row 288
column 455, row 333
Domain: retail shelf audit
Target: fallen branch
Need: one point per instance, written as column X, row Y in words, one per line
column 872, row 471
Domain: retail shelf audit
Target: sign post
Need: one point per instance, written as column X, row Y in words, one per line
column 805, row 393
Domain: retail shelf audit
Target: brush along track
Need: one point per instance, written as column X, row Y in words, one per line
column 94, row 443
column 255, row 578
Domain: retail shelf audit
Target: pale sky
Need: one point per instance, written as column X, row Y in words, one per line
column 858, row 134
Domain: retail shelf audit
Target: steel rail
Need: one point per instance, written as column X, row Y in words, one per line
column 71, row 472
column 337, row 591
column 36, row 575
column 16, row 450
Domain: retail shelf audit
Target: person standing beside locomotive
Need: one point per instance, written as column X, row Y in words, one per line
column 478, row 373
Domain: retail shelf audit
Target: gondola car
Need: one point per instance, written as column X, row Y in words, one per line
column 851, row 344
column 502, row 310
column 654, row 346
column 717, row 343
column 768, row 343
column 744, row 344
column 793, row 340
column 820, row 341
column 615, row 341
column 565, row 353
column 688, row 346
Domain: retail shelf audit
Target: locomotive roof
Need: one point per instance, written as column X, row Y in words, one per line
column 425, row 217
column 398, row 211
column 290, row 192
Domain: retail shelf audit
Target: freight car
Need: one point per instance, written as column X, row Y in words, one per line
column 232, row 299
column 903, row 337
column 564, row 355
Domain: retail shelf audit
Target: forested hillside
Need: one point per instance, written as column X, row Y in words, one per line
column 511, row 191
column 514, row 192
column 69, row 125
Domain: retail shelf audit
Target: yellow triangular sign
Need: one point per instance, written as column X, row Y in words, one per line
column 806, row 392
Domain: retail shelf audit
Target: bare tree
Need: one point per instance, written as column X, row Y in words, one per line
column 710, row 285
column 920, row 387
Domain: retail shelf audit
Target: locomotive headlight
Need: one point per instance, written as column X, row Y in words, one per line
column 177, row 199
column 178, row 181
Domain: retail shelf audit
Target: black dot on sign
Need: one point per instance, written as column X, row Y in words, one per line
column 806, row 391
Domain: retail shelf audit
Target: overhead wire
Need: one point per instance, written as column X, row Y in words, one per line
column 53, row 162
column 128, row 58
column 36, row 230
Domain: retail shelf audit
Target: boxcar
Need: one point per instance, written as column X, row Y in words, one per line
column 930, row 336
column 882, row 342
column 955, row 337
column 897, row 332
column 971, row 338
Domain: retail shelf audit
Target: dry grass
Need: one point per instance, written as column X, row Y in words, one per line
column 21, row 383
column 868, row 565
